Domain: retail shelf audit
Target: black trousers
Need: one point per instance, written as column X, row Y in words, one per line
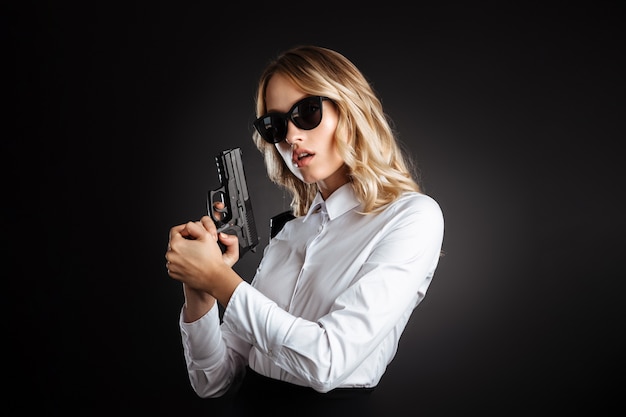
column 259, row 394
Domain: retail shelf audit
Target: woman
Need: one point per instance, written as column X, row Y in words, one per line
column 337, row 285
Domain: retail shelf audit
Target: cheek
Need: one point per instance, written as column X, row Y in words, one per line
column 329, row 125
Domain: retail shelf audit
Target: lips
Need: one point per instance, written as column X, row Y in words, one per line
column 301, row 157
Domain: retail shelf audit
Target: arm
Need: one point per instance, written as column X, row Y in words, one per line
column 214, row 359
column 370, row 300
column 201, row 255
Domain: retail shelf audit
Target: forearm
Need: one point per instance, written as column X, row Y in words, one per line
column 214, row 358
column 199, row 302
column 222, row 289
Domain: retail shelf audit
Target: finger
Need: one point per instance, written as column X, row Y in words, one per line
column 219, row 211
column 194, row 230
column 176, row 230
column 231, row 243
column 209, row 226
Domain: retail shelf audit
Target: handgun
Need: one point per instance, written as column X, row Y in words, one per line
column 229, row 205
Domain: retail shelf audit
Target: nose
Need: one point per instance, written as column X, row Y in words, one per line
column 293, row 134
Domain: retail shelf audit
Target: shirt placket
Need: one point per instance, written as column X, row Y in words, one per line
column 322, row 218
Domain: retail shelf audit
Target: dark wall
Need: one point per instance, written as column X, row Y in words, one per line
column 513, row 116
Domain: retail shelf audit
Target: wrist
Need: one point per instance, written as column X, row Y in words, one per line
column 197, row 303
column 226, row 286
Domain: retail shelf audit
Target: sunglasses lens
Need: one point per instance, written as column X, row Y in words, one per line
column 308, row 113
column 272, row 128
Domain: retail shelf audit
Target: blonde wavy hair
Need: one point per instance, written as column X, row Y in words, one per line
column 379, row 170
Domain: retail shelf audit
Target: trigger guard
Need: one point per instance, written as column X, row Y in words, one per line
column 211, row 209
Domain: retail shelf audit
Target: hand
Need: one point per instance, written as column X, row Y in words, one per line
column 194, row 258
column 192, row 254
column 230, row 242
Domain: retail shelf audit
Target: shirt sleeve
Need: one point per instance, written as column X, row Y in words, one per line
column 215, row 359
column 390, row 284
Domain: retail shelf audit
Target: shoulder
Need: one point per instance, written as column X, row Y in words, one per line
column 415, row 202
column 415, row 211
column 416, row 217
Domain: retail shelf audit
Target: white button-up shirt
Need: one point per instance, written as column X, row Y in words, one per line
column 329, row 300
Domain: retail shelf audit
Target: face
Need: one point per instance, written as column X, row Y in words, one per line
column 310, row 154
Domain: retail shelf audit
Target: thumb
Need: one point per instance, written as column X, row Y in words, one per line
column 231, row 243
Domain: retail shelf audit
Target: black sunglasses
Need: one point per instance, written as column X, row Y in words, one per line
column 306, row 114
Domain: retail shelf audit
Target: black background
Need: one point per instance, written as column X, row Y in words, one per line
column 514, row 115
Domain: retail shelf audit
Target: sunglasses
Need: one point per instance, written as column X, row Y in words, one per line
column 306, row 114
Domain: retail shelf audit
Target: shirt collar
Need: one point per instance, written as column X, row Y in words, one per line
column 339, row 202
